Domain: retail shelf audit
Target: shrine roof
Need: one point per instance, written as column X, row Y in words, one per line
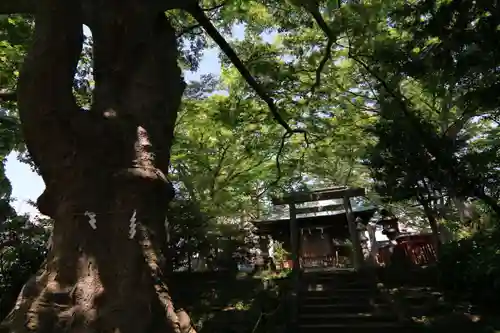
column 320, row 194
column 414, row 236
column 323, row 219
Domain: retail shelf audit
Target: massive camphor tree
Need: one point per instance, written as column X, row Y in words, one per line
column 110, row 160
column 104, row 168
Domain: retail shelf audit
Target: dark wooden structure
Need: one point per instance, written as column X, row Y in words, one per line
column 307, row 239
column 327, row 240
column 332, row 239
column 415, row 249
column 389, row 223
column 403, row 249
column 324, row 240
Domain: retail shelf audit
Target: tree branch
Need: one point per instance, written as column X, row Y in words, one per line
column 8, row 243
column 218, row 168
column 8, row 96
column 187, row 30
column 191, row 28
column 184, row 178
column 236, row 174
column 432, row 149
column 209, row 9
column 17, row 7
column 285, row 137
column 29, row 6
column 202, row 19
column 46, row 97
column 328, row 49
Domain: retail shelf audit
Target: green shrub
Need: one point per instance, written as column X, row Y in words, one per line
column 21, row 256
column 472, row 266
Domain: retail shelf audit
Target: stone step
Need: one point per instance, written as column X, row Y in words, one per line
column 339, row 298
column 347, row 285
column 417, row 290
column 339, row 292
column 340, row 275
column 383, row 327
column 335, row 285
column 360, row 300
column 337, row 278
column 346, row 318
column 343, row 308
column 360, row 303
column 332, row 299
column 417, row 296
column 419, row 301
column 426, row 310
column 347, row 275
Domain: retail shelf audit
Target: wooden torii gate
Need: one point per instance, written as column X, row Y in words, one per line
column 302, row 197
column 326, row 194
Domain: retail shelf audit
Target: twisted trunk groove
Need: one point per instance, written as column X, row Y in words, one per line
column 111, row 161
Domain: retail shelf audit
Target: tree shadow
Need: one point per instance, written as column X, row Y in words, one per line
column 460, row 322
column 418, row 293
column 223, row 301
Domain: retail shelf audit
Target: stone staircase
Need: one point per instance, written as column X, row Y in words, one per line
column 346, row 301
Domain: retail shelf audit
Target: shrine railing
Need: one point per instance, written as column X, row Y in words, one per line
column 415, row 253
column 420, row 253
column 311, row 262
column 328, row 261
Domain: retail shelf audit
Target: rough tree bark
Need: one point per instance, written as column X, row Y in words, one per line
column 110, row 160
column 433, row 223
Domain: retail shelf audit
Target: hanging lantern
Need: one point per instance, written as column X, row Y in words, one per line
column 359, row 224
column 390, row 226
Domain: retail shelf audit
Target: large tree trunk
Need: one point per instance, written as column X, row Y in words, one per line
column 110, row 160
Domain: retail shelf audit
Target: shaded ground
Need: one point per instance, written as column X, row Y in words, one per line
column 431, row 310
column 418, row 298
column 229, row 302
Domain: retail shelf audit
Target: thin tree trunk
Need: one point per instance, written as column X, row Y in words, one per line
column 110, row 161
column 189, row 258
column 433, row 224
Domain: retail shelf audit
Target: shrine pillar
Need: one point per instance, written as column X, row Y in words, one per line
column 264, row 244
column 374, row 249
column 357, row 252
column 294, row 242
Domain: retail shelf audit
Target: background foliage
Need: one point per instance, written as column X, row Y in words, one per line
column 407, row 107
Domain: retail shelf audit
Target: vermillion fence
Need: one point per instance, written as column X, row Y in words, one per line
column 417, row 250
